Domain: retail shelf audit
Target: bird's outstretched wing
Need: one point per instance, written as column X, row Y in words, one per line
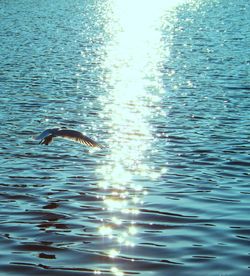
column 77, row 137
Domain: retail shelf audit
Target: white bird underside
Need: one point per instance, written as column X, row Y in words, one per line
column 46, row 137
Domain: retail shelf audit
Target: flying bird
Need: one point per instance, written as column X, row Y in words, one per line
column 47, row 136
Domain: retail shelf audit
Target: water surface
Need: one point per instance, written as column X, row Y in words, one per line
column 166, row 86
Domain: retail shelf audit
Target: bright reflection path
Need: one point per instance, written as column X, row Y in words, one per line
column 132, row 82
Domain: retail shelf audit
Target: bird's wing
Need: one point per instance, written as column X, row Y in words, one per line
column 44, row 134
column 77, row 137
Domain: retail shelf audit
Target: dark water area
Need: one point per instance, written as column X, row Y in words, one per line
column 166, row 87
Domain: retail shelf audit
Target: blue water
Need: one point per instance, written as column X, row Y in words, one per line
column 166, row 88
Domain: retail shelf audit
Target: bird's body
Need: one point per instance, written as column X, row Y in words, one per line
column 47, row 136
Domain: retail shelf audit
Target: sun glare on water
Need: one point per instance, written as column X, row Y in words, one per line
column 132, row 84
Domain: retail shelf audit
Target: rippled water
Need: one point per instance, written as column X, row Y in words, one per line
column 166, row 86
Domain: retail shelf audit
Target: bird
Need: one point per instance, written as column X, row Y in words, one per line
column 47, row 136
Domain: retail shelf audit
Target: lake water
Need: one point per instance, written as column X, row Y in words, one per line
column 165, row 84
